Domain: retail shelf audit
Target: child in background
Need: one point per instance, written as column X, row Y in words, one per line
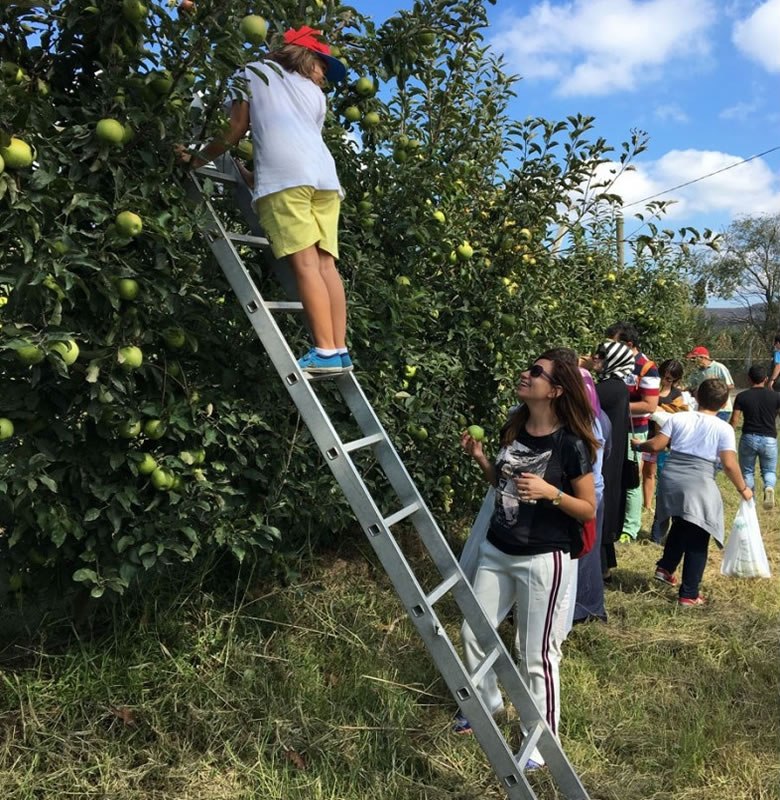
column 296, row 192
column 670, row 401
column 687, row 491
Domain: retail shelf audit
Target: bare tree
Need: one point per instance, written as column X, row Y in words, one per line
column 747, row 269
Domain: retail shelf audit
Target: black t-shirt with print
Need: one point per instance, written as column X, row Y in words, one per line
column 529, row 529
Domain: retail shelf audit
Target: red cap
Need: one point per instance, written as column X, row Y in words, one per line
column 699, row 351
column 312, row 40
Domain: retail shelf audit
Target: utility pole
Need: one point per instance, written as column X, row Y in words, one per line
column 621, row 260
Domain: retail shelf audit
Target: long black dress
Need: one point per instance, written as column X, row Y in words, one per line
column 613, row 396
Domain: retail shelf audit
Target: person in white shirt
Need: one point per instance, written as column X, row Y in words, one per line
column 296, row 190
column 687, row 491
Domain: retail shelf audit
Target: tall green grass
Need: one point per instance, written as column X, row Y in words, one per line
column 321, row 689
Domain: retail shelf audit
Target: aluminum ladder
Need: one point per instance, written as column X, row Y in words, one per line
column 411, row 508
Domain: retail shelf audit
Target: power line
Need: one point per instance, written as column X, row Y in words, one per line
column 703, row 177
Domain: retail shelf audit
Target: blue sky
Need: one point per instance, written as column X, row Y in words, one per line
column 701, row 77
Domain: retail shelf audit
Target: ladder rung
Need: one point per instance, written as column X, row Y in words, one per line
column 245, row 238
column 216, row 175
column 366, row 441
column 530, row 741
column 485, row 665
column 283, row 305
column 443, row 588
column 405, row 512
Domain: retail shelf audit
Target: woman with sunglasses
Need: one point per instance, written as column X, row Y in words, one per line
column 544, row 490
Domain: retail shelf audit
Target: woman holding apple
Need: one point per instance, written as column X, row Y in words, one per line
column 544, row 483
column 296, row 190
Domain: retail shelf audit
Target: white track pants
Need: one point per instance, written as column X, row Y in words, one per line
column 535, row 586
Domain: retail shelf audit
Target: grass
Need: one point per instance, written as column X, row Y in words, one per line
column 322, row 689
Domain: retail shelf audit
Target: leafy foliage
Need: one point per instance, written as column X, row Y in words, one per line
column 469, row 242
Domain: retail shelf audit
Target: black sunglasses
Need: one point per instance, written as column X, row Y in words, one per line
column 538, row 371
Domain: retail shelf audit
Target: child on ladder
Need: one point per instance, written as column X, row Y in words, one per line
column 296, row 190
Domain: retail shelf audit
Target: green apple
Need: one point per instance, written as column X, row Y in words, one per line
column 17, row 155
column 2, row 165
column 403, row 280
column 371, row 119
column 129, row 429
column 611, row 277
column 254, row 29
column 68, row 350
column 465, row 251
column 127, row 288
column 110, row 130
column 6, row 428
column 439, row 216
column 426, row 38
column 162, row 479
column 162, row 83
column 30, row 354
column 154, row 429
column 245, row 150
column 351, row 113
column 147, row 465
column 421, row 434
column 410, row 370
column 129, row 224
column 130, row 357
column 134, row 10
column 175, row 338
column 525, row 234
column 365, row 87
column 11, row 72
column 476, row 432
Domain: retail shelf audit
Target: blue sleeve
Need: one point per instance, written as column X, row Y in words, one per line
column 777, row 356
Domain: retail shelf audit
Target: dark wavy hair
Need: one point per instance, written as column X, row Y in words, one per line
column 571, row 406
column 674, row 368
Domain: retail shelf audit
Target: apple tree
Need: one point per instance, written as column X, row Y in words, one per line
column 148, row 427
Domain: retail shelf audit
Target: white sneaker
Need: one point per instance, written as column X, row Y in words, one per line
column 769, row 497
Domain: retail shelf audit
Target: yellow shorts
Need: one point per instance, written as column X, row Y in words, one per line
column 300, row 217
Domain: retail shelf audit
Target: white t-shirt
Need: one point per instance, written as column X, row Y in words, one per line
column 286, row 116
column 701, row 435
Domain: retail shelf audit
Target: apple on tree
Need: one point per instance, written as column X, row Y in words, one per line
column 254, row 29
column 68, row 351
column 130, row 357
column 110, row 130
column 6, row 428
column 127, row 288
column 30, row 354
column 17, row 154
column 129, row 224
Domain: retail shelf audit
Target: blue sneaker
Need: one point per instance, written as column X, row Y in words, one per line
column 461, row 725
column 316, row 364
column 346, row 362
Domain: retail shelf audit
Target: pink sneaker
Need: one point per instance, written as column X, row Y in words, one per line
column 665, row 576
column 691, row 601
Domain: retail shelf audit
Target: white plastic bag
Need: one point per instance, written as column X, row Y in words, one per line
column 744, row 555
column 470, row 555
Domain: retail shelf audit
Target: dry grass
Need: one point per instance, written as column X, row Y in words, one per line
column 323, row 690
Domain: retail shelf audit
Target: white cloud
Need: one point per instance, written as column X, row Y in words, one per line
column 671, row 112
column 758, row 36
column 741, row 111
column 751, row 188
column 595, row 47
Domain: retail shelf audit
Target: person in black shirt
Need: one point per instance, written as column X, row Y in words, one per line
column 544, row 491
column 757, row 407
